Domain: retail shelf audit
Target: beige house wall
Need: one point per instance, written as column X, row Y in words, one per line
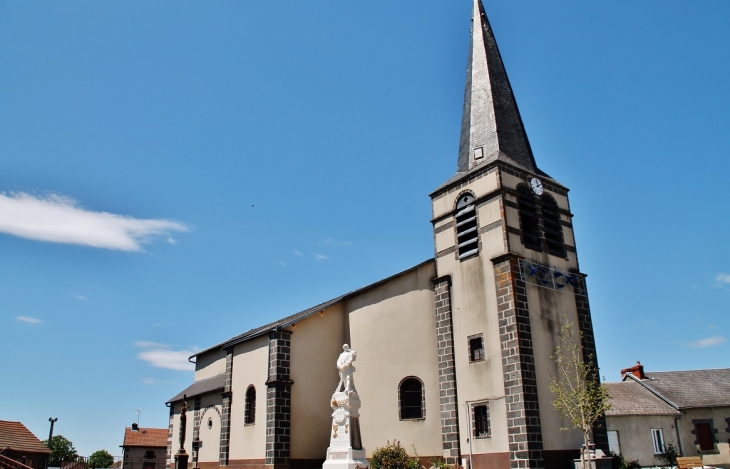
column 210, row 364
column 393, row 330
column 721, row 453
column 316, row 342
column 250, row 367
column 210, row 410
column 635, row 437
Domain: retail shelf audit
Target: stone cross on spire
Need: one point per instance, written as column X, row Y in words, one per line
column 491, row 126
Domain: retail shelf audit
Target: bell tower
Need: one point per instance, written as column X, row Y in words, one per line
column 507, row 281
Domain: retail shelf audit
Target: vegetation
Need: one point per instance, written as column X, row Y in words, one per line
column 579, row 396
column 100, row 459
column 393, row 456
column 62, row 450
column 620, row 462
column 669, row 457
column 440, row 463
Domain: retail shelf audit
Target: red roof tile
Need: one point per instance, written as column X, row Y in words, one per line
column 14, row 435
column 154, row 437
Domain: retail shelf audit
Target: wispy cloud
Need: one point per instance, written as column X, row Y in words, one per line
column 281, row 263
column 28, row 319
column 332, row 242
column 723, row 278
column 298, row 253
column 707, row 342
column 320, row 257
column 58, row 219
column 164, row 356
column 82, row 297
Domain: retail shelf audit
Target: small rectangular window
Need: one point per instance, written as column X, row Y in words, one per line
column 481, row 421
column 658, row 439
column 476, row 348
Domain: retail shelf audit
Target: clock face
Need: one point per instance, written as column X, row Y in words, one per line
column 536, row 186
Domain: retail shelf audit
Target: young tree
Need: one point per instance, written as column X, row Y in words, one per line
column 579, row 396
column 100, row 459
column 61, row 450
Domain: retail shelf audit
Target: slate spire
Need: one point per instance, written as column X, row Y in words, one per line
column 491, row 126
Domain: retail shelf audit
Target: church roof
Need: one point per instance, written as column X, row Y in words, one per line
column 491, row 126
column 14, row 435
column 294, row 318
column 146, row 437
column 214, row 383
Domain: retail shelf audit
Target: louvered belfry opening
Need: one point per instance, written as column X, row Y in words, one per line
column 529, row 218
column 467, row 233
column 553, row 227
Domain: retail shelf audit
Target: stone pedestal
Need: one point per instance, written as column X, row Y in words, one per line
column 345, row 451
column 181, row 459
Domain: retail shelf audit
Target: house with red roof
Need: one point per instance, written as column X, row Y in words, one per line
column 19, row 445
column 144, row 448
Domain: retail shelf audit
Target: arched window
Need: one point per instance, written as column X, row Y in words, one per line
column 249, row 417
column 529, row 218
column 467, row 235
column 411, row 399
column 553, row 227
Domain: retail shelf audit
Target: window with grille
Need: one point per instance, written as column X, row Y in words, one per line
column 658, row 438
column 249, row 416
column 529, row 218
column 481, row 420
column 476, row 348
column 410, row 394
column 467, row 235
column 552, row 226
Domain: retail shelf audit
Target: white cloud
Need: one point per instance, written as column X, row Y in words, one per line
column 82, row 297
column 153, row 381
column 332, row 242
column 58, row 219
column 163, row 356
column 298, row 253
column 723, row 278
column 28, row 319
column 320, row 257
column 708, row 342
column 281, row 263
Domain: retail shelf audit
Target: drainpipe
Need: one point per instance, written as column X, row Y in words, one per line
column 467, row 404
column 679, row 435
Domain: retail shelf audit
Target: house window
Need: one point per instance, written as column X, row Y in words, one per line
column 481, row 420
column 210, row 423
column 249, row 417
column 467, row 235
column 658, row 438
column 411, row 397
column 552, row 226
column 476, row 348
column 705, row 437
column 529, row 219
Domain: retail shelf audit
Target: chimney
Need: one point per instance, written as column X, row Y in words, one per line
column 135, row 427
column 636, row 370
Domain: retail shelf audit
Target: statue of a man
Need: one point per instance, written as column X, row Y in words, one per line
column 346, row 368
column 183, row 421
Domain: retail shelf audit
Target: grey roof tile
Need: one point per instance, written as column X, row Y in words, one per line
column 692, row 388
column 631, row 398
column 203, row 386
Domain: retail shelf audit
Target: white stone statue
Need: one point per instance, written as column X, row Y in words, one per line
column 346, row 368
column 345, row 450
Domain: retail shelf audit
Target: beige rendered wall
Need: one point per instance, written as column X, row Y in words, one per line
column 635, row 438
column 393, row 330
column 210, row 364
column 721, row 454
column 316, row 342
column 250, row 367
column 210, row 410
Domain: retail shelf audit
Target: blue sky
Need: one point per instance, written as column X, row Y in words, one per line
column 175, row 173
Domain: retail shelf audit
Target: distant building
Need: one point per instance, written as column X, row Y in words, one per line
column 688, row 409
column 144, row 448
column 20, row 445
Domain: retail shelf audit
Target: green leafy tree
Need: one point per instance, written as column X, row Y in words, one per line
column 100, row 459
column 62, row 450
column 669, row 456
column 579, row 396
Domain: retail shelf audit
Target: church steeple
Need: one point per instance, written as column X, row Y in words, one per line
column 491, row 126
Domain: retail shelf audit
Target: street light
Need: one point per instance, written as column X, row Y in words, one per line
column 50, row 434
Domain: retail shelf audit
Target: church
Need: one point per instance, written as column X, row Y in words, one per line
column 453, row 354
